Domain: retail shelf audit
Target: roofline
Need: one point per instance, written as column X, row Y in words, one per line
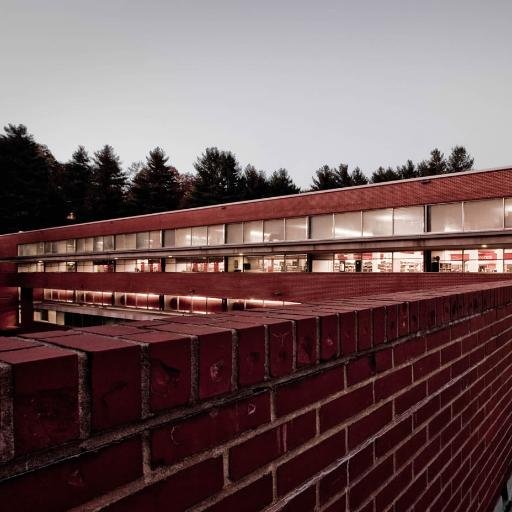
column 252, row 201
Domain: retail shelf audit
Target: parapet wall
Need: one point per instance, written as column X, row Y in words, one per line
column 386, row 403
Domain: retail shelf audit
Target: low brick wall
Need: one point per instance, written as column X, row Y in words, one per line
column 385, row 403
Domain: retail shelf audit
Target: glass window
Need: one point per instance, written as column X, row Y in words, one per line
column 169, row 239
column 449, row 260
column 378, row 222
column 108, row 243
column 296, row 228
column 155, row 239
column 483, row 260
column 126, row 242
column 347, row 225
column 199, row 235
column 148, row 265
column 253, row 232
column 273, row 230
column 296, row 263
column 321, row 227
column 481, row 215
column 85, row 266
column 216, row 235
column 183, row 237
column 274, row 263
column 98, row 244
column 445, row 218
column 142, row 240
column 84, row 245
column 253, row 264
column 408, row 221
column 322, row 263
column 215, row 264
column 126, row 265
column 408, row 261
column 70, row 245
column 234, row 233
column 507, row 260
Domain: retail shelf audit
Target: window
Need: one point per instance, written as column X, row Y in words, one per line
column 126, row 242
column 321, row 227
column 408, row 221
column 322, row 263
column 482, row 215
column 85, row 244
column 408, row 261
column 378, row 222
column 234, row 233
column 296, row 263
column 142, row 240
column 449, row 260
column 483, row 260
column 445, row 218
column 183, row 237
column 273, row 230
column 253, row 232
column 199, row 235
column 169, row 238
column 216, row 235
column 155, row 239
column 70, row 246
column 347, row 225
column 296, row 228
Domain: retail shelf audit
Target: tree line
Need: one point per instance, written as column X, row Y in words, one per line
column 39, row 191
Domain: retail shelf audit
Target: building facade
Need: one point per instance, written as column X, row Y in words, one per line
column 460, row 223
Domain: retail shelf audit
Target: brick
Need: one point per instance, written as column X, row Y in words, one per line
column 70, row 483
column 392, row 383
column 393, row 488
column 306, row 339
column 111, row 330
column 262, row 449
column 173, row 442
column 281, row 349
column 333, row 483
column 438, row 380
column 307, row 390
column 115, row 377
column 427, row 411
column 403, row 319
column 303, row 502
column 437, row 339
column 393, row 437
column 358, row 493
column 170, row 368
column 44, row 395
column 251, row 498
column 439, row 422
column 411, row 494
column 408, row 350
column 414, row 316
column 379, row 326
column 10, row 344
column 251, row 355
column 345, row 407
column 450, row 353
column 383, row 360
column 411, row 397
column 182, row 489
column 340, row 505
column 426, row 365
column 363, row 429
column 361, row 369
column 215, row 352
column 360, row 462
column 391, row 322
column 305, row 465
column 348, row 340
column 329, row 343
column 409, row 449
column 364, row 329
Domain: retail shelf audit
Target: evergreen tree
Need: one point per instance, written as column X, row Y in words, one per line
column 381, row 175
column 358, row 178
column 186, row 182
column 254, row 183
column 280, row 184
column 107, row 191
column 156, row 186
column 74, row 182
column 27, row 169
column 434, row 166
column 218, row 178
column 407, row 171
column 459, row 160
column 329, row 178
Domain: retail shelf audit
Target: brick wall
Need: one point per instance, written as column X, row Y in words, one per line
column 386, row 402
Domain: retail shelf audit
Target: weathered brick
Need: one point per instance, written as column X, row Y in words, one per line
column 333, row 483
column 392, row 383
column 369, row 425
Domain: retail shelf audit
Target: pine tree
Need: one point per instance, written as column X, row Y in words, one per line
column 407, row 171
column 156, row 186
column 280, row 184
column 381, row 175
column 254, row 183
column 107, row 185
column 74, row 184
column 218, row 178
column 358, row 178
column 325, row 178
column 434, row 166
column 459, row 160
column 27, row 168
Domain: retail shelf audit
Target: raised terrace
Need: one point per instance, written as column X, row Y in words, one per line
column 385, row 402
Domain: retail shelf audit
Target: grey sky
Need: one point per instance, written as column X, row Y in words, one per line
column 292, row 84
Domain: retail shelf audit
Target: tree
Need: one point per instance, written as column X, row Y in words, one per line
column 434, row 166
column 329, row 178
column 156, row 186
column 358, row 178
column 407, row 171
column 459, row 160
column 254, row 183
column 218, row 178
column 27, row 200
column 75, row 180
column 107, row 185
column 280, row 184
column 381, row 175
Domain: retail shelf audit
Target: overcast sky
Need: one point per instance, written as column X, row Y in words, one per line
column 292, row 84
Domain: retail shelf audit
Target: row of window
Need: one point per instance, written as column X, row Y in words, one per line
column 460, row 260
column 489, row 214
column 153, row 301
